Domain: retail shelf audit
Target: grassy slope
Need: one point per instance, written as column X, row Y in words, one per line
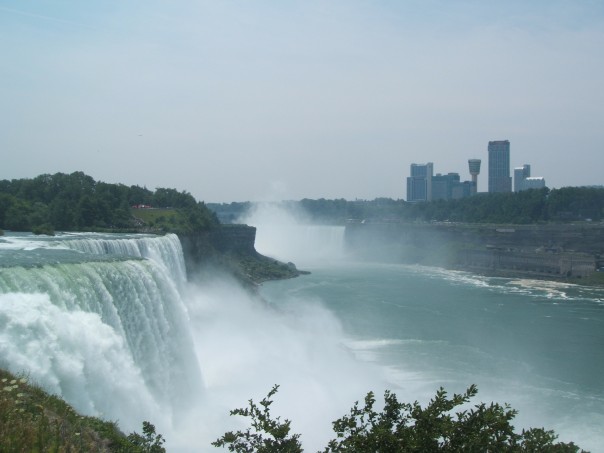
column 32, row 420
column 161, row 219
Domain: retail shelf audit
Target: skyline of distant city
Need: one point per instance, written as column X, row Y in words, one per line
column 424, row 185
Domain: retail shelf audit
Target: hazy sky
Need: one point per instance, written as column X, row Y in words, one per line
column 258, row 100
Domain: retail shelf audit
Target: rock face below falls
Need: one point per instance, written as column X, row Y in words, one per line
column 231, row 248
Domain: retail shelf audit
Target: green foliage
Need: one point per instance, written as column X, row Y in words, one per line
column 45, row 228
column 401, row 427
column 161, row 219
column 149, row 441
column 261, row 268
column 265, row 435
column 77, row 202
column 525, row 207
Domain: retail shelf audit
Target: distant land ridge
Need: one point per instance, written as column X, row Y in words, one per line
column 552, row 251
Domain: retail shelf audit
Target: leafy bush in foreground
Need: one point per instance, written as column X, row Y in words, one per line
column 400, row 427
column 149, row 441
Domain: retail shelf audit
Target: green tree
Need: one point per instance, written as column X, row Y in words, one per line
column 6, row 202
column 76, row 201
column 265, row 435
column 62, row 213
column 148, row 442
column 401, row 427
column 17, row 215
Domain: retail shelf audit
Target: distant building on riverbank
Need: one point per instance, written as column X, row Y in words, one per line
column 419, row 183
column 520, row 174
column 423, row 185
column 524, row 181
column 499, row 166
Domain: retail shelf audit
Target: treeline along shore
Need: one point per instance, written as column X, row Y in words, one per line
column 76, row 202
column 552, row 234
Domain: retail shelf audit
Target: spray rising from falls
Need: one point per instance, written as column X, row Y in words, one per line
column 100, row 322
column 290, row 235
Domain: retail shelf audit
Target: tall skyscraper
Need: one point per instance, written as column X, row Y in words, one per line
column 419, row 184
column 499, row 166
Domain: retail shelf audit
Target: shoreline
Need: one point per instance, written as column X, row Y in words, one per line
column 566, row 253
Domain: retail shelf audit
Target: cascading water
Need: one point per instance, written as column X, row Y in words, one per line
column 91, row 319
column 165, row 251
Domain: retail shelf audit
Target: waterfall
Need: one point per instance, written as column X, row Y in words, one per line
column 103, row 325
column 165, row 250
